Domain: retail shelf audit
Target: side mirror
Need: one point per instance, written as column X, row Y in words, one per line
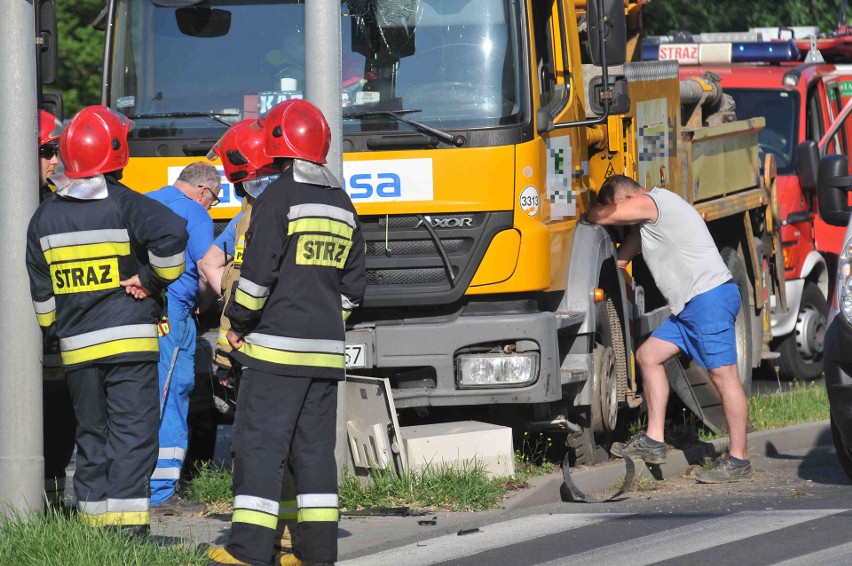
column 607, row 25
column 833, row 184
column 807, row 165
column 48, row 44
column 52, row 102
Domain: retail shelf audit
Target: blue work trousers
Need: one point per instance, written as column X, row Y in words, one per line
column 177, row 378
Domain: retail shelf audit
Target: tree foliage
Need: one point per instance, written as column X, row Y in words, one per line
column 662, row 16
column 81, row 53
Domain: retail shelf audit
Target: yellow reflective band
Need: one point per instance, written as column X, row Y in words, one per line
column 318, row 515
column 248, row 301
column 46, row 319
column 258, row 518
column 86, row 251
column 223, row 337
column 288, row 509
column 346, row 315
column 326, row 251
column 126, row 518
column 293, row 358
column 99, row 351
column 169, row 273
column 85, row 276
column 326, row 225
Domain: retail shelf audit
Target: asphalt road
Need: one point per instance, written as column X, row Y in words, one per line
column 798, row 510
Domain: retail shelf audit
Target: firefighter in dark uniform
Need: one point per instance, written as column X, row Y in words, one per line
column 58, row 413
column 97, row 255
column 246, row 164
column 302, row 273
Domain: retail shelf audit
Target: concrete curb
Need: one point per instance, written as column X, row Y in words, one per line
column 767, row 443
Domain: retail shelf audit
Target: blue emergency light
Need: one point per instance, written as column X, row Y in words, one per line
column 722, row 53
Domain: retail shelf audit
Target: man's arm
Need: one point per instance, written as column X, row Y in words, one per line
column 211, row 268
column 630, row 247
column 163, row 234
column 41, row 286
column 636, row 209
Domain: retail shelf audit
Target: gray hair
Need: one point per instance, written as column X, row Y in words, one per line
column 200, row 173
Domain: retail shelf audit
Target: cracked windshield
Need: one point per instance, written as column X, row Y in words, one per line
column 210, row 64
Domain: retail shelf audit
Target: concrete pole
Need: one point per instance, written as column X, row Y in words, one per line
column 21, row 459
column 323, row 71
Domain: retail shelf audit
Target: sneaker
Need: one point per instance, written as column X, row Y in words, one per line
column 218, row 556
column 636, row 447
column 725, row 470
column 177, row 505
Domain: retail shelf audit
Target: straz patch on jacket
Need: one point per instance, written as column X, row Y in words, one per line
column 327, row 251
column 84, row 276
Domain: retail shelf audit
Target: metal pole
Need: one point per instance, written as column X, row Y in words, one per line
column 21, row 459
column 323, row 71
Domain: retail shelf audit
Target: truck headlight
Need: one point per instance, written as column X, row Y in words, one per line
column 844, row 282
column 496, row 370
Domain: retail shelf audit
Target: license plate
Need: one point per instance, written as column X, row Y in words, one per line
column 355, row 357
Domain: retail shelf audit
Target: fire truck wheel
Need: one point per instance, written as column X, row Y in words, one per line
column 802, row 350
column 742, row 326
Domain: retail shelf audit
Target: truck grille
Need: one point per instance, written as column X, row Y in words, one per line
column 425, row 259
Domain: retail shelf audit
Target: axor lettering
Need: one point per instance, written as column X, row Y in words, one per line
column 84, row 276
column 326, row 251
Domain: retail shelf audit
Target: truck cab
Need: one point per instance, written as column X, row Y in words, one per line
column 799, row 101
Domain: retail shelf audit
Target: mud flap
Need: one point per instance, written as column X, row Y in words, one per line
column 692, row 384
column 571, row 493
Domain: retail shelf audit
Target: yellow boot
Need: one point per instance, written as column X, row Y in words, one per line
column 219, row 556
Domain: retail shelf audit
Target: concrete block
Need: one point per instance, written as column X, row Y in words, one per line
column 460, row 443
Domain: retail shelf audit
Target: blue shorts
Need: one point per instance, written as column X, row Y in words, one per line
column 704, row 329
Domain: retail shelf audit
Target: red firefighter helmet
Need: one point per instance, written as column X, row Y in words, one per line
column 241, row 150
column 95, row 142
column 297, row 129
column 49, row 128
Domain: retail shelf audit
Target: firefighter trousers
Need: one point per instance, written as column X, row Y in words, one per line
column 277, row 415
column 116, row 410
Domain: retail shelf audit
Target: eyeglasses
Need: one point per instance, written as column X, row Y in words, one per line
column 48, row 150
column 212, row 194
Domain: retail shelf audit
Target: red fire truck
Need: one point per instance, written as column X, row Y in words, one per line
column 799, row 99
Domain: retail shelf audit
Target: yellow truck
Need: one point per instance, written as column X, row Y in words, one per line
column 475, row 134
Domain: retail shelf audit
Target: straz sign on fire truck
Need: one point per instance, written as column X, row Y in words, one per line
column 682, row 53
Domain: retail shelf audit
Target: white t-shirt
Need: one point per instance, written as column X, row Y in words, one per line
column 679, row 251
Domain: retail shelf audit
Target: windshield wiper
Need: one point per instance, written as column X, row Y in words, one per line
column 446, row 137
column 212, row 115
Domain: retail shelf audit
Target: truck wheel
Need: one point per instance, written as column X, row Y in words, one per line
column 844, row 451
column 610, row 384
column 742, row 326
column 802, row 350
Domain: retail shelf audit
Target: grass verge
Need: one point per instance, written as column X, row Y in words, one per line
column 439, row 487
column 212, row 485
column 801, row 403
column 55, row 539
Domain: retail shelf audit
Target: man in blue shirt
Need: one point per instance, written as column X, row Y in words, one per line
column 193, row 193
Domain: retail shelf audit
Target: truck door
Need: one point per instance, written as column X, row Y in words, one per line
column 823, row 106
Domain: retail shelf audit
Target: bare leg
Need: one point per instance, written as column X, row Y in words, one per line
column 734, row 403
column 651, row 356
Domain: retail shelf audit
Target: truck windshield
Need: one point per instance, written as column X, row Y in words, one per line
column 457, row 61
column 779, row 135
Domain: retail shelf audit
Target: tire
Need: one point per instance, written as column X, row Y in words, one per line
column 844, row 451
column 802, row 350
column 610, row 383
column 742, row 326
